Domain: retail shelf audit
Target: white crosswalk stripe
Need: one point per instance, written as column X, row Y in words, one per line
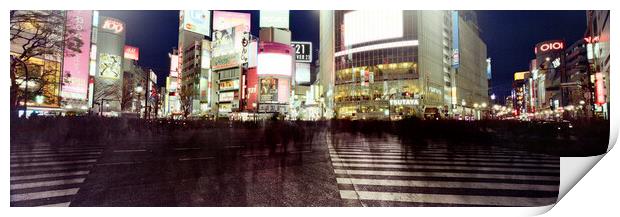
column 391, row 174
column 49, row 177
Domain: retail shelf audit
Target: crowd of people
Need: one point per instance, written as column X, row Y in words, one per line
column 555, row 138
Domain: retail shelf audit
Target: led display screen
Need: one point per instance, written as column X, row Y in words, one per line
column 365, row 26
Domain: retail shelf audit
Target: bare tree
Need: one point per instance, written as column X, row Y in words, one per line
column 37, row 34
column 186, row 95
column 128, row 94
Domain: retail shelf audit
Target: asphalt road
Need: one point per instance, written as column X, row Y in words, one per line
column 234, row 168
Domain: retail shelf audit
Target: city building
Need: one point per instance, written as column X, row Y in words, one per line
column 194, row 27
column 412, row 67
column 172, row 103
column 228, row 56
column 326, row 75
column 39, row 80
column 597, row 35
column 109, row 52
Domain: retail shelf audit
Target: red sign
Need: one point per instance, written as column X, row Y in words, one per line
column 132, row 53
column 252, row 89
column 548, row 46
column 600, row 88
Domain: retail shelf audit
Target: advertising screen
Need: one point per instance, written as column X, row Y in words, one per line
column 456, row 57
column 174, row 65
column 109, row 65
column 229, row 84
column 227, row 47
column 227, row 96
column 132, row 53
column 225, row 107
column 274, row 64
column 277, row 19
column 519, row 75
column 197, row 21
column 302, row 73
column 284, row 90
column 303, row 51
column 76, row 64
column 268, row 90
column 364, row 26
column 224, row 20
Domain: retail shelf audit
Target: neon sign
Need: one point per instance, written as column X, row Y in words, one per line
column 600, row 88
column 548, row 46
column 113, row 25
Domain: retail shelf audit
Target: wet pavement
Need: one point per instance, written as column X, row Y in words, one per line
column 233, row 168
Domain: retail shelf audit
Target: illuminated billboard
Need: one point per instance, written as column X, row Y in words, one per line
column 229, row 85
column 367, row 25
column 75, row 65
column 520, row 75
column 549, row 47
column 174, row 65
column 489, row 75
column 227, row 47
column 227, row 96
column 456, row 56
column 275, row 59
column 268, row 90
column 302, row 73
column 599, row 85
column 274, row 64
column 109, row 65
column 224, row 20
column 303, row 51
column 284, row 90
column 112, row 25
column 132, row 53
column 277, row 19
column 197, row 21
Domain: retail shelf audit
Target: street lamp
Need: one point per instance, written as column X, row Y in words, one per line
column 255, row 111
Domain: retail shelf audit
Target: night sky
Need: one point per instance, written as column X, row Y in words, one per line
column 510, row 36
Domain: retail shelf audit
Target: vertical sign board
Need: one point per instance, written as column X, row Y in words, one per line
column 600, row 88
column 75, row 65
column 303, row 51
column 455, row 40
column 174, row 65
column 252, row 81
column 489, row 75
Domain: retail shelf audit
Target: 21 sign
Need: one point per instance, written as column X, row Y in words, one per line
column 303, row 51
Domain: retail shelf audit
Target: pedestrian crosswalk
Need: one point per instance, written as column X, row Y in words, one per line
column 49, row 176
column 380, row 173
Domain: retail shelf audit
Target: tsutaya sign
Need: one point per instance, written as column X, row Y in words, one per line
column 548, row 46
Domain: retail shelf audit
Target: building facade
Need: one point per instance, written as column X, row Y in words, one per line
column 402, row 65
